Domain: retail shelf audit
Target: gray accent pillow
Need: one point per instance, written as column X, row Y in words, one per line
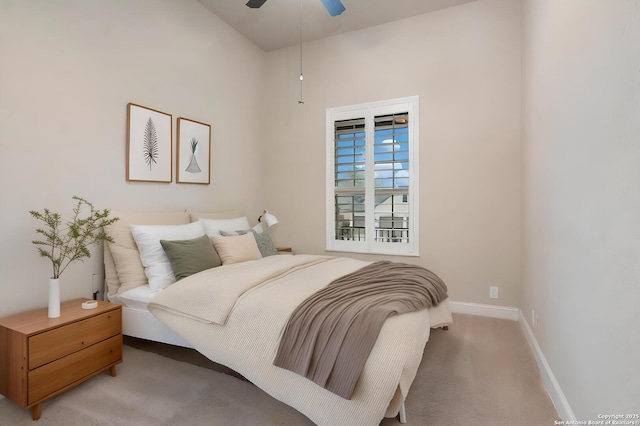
column 263, row 240
column 188, row 257
column 265, row 243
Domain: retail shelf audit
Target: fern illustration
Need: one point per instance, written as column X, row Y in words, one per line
column 150, row 146
column 193, row 166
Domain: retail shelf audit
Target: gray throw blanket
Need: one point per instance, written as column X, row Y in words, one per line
column 329, row 336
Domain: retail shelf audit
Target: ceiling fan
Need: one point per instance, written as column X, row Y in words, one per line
column 334, row 7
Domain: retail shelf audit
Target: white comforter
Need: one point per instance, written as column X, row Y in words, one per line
column 235, row 315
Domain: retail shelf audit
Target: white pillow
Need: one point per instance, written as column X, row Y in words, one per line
column 236, row 248
column 156, row 264
column 123, row 269
column 258, row 230
column 214, row 226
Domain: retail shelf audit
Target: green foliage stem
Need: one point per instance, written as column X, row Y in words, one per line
column 65, row 245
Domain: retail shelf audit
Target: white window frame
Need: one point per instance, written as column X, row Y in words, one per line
column 369, row 111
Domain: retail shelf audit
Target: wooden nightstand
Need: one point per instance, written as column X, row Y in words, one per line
column 41, row 357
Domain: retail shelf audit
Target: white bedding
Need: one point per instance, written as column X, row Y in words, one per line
column 235, row 315
column 136, row 298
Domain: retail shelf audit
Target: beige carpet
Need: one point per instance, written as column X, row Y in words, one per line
column 480, row 372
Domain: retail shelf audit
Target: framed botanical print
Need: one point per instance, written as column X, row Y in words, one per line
column 149, row 144
column 194, row 152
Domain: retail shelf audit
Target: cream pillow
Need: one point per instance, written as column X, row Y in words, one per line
column 236, row 249
column 129, row 267
column 157, row 266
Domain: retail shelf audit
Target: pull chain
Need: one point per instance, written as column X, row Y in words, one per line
column 300, row 101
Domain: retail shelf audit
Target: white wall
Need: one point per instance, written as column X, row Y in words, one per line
column 581, row 197
column 67, row 71
column 464, row 64
column 70, row 67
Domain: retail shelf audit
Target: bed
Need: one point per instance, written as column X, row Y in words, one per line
column 235, row 314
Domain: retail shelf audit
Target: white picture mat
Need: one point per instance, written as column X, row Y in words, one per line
column 137, row 167
column 186, row 169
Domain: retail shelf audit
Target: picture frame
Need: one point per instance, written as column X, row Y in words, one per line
column 193, row 163
column 149, row 144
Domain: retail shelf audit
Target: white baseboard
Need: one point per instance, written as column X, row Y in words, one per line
column 551, row 383
column 493, row 311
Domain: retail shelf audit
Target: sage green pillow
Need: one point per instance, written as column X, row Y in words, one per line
column 188, row 257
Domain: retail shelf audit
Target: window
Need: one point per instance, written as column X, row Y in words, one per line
column 372, row 175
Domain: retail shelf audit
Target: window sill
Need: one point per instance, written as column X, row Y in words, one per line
column 378, row 252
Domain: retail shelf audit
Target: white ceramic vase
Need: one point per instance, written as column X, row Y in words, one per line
column 54, row 298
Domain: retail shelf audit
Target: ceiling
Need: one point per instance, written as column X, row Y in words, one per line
column 277, row 23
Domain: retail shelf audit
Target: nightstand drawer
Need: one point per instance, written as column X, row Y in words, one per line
column 59, row 374
column 59, row 342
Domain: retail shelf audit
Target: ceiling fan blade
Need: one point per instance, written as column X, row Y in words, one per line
column 255, row 4
column 334, row 7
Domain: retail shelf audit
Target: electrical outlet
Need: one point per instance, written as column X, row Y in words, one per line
column 493, row 292
column 534, row 319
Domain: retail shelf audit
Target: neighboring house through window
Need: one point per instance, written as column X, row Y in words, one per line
column 372, row 177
